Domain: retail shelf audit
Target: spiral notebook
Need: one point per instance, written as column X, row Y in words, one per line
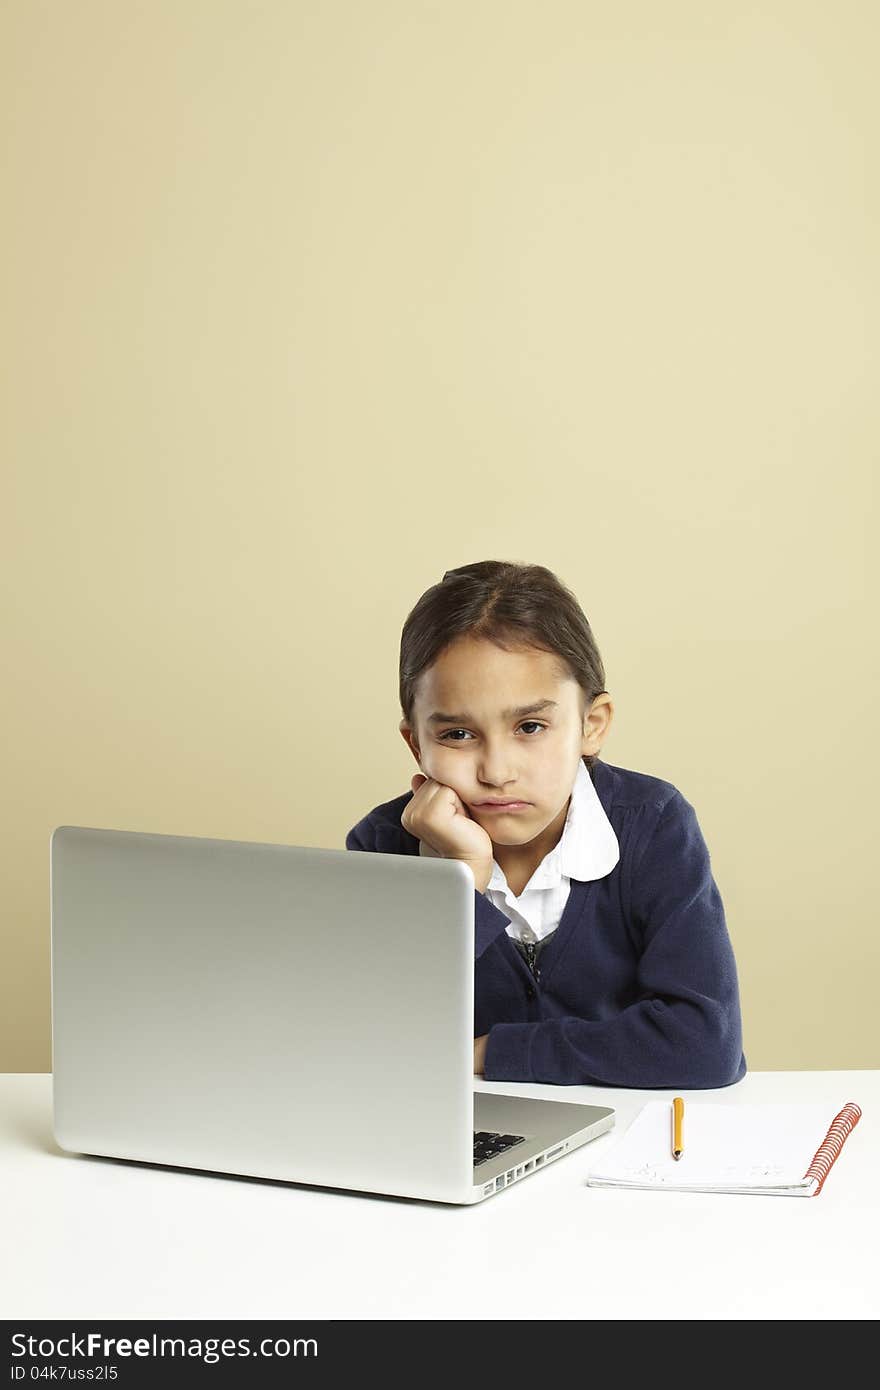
column 781, row 1150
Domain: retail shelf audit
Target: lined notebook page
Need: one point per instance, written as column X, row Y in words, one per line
column 729, row 1148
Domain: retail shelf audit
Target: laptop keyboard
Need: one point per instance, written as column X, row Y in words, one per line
column 487, row 1144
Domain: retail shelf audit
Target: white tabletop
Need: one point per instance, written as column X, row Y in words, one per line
column 91, row 1237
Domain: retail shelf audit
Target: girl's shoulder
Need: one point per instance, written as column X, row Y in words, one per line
column 380, row 829
column 623, row 786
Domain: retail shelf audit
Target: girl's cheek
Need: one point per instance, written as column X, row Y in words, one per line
column 443, row 770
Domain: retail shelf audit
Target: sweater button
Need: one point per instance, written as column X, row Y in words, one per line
column 530, row 992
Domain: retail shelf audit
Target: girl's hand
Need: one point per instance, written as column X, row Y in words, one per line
column 437, row 815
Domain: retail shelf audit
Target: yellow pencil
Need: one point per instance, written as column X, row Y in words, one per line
column 677, row 1120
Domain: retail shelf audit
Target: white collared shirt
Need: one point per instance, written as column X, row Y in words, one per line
column 588, row 848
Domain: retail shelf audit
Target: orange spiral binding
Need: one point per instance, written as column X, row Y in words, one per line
column 841, row 1127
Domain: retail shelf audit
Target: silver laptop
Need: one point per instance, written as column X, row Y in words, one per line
column 281, row 1012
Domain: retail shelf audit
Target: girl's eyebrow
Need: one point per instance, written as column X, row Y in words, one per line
column 438, row 718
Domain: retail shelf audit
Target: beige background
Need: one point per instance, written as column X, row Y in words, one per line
column 305, row 303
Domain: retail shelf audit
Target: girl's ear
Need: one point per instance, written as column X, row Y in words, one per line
column 406, row 734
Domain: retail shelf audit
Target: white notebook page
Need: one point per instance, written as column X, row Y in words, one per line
column 727, row 1148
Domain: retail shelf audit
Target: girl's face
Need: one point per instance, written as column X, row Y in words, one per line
column 502, row 725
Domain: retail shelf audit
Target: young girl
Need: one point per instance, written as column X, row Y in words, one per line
column 602, row 953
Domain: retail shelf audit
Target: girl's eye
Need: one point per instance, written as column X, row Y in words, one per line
column 532, row 722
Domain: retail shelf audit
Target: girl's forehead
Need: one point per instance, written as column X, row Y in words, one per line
column 498, row 682
column 476, row 661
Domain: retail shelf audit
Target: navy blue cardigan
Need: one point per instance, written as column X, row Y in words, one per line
column 637, row 985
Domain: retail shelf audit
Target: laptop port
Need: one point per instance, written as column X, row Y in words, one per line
column 530, row 1165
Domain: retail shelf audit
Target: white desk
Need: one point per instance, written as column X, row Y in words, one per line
column 90, row 1237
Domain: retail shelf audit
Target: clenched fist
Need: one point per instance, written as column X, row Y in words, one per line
column 437, row 815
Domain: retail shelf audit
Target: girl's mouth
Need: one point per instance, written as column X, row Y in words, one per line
column 502, row 806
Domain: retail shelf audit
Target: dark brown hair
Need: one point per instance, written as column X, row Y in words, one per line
column 514, row 606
